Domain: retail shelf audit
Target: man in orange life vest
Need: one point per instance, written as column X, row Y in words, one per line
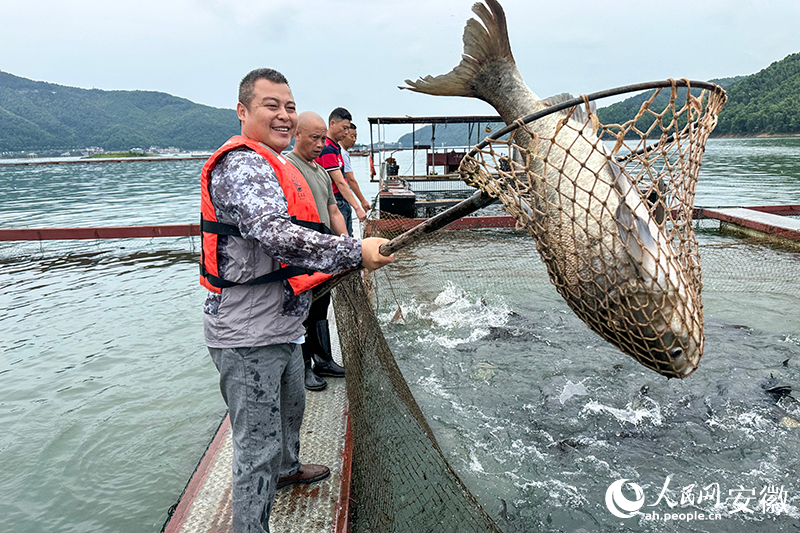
column 261, row 239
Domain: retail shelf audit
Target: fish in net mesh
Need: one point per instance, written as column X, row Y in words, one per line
column 612, row 222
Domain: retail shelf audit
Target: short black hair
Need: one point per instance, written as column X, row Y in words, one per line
column 340, row 114
column 352, row 125
column 247, row 85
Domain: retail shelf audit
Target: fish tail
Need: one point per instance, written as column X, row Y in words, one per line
column 484, row 47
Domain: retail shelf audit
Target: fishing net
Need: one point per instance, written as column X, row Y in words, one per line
column 402, row 481
column 401, row 478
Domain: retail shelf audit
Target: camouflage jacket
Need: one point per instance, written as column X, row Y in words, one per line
column 246, row 192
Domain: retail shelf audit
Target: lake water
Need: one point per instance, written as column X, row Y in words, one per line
column 108, row 397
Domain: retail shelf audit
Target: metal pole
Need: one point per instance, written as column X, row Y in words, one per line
column 460, row 210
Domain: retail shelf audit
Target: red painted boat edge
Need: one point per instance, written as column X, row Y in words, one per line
column 341, row 523
column 175, row 522
column 106, row 232
column 760, row 226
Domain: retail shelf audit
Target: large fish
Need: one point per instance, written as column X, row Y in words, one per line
column 607, row 255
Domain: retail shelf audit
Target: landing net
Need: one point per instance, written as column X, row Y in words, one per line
column 610, row 208
column 402, row 481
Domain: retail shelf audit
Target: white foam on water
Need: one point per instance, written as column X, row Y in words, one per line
column 792, row 339
column 754, row 421
column 433, row 386
column 631, row 415
column 411, row 308
column 561, row 494
column 458, row 317
column 571, row 390
column 600, row 464
column 474, row 464
column 751, row 424
column 522, row 449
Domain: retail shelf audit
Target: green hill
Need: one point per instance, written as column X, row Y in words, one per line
column 36, row 115
column 625, row 110
column 766, row 102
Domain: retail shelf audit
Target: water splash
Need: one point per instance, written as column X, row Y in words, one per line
column 634, row 413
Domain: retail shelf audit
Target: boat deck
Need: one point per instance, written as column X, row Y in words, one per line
column 205, row 506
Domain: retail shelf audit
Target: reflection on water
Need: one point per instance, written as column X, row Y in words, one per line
column 103, row 371
column 750, row 172
column 108, row 397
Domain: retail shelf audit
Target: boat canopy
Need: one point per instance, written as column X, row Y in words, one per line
column 435, row 120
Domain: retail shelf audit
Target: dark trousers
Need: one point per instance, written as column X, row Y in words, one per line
column 347, row 212
column 318, row 311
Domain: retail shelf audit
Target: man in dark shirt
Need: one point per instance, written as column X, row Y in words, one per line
column 308, row 144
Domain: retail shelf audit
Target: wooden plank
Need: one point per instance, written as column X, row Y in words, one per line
column 107, row 232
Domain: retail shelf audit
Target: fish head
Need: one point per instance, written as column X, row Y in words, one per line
column 662, row 329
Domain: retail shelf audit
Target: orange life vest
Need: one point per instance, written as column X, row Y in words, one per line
column 302, row 210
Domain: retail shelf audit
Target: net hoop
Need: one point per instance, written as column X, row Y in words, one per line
column 625, row 89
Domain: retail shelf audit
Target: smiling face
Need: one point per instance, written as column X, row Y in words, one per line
column 271, row 116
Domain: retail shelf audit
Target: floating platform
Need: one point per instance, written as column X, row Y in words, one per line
column 775, row 221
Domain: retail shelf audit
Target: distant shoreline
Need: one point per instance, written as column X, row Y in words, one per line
column 116, row 155
column 102, row 160
column 128, row 159
column 755, row 136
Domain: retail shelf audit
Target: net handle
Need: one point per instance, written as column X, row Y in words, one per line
column 475, row 202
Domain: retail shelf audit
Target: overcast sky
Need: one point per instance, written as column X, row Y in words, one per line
column 354, row 53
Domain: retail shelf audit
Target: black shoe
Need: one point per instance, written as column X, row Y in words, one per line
column 312, row 381
column 327, row 368
column 324, row 365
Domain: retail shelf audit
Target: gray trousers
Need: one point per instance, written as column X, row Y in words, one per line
column 265, row 393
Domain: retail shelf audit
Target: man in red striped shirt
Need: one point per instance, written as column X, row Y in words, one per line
column 331, row 160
